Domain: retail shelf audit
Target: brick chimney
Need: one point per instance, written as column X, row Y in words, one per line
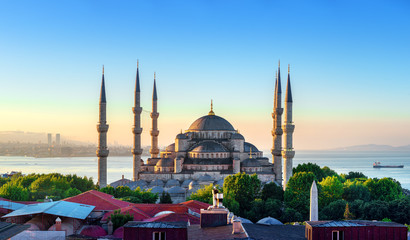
column 58, row 224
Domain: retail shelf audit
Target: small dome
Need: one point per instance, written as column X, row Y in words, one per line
column 211, row 123
column 193, row 184
column 220, row 182
column 176, row 190
column 205, row 178
column 157, row 182
column 170, row 148
column 186, row 183
column 139, row 183
column 209, row 146
column 269, row 221
column 237, row 136
column 247, row 147
column 172, row 183
column 157, row 189
column 165, row 162
column 181, row 136
column 250, row 162
column 162, row 213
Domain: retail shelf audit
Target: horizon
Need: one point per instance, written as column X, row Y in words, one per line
column 348, row 68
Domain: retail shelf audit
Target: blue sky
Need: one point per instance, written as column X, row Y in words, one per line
column 349, row 67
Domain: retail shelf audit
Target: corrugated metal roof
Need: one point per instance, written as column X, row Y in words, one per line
column 339, row 224
column 58, row 208
column 10, row 205
column 156, row 224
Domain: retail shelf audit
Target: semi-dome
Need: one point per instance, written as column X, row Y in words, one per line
column 170, row 148
column 172, row 183
column 211, row 123
column 209, row 146
column 250, row 162
column 247, row 147
column 237, row 136
column 165, row 162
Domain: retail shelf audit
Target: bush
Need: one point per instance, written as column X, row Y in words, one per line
column 119, row 219
column 165, row 198
column 204, row 194
column 272, row 191
column 334, row 211
column 291, row 215
column 14, row 192
column 310, row 167
column 375, row 210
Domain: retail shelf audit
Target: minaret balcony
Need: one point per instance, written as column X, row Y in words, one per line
column 154, row 132
column 137, row 130
column 276, row 152
column 102, row 152
column 137, row 110
column 277, row 131
column 136, row 151
column 288, row 128
column 288, row 153
column 102, row 127
column 154, row 151
column 154, row 115
column 278, row 111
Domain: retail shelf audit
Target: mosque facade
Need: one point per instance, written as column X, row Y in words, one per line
column 208, row 151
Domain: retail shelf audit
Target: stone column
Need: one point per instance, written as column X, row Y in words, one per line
column 314, row 206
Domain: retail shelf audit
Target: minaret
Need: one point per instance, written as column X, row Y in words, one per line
column 154, row 131
column 288, row 129
column 102, row 128
column 277, row 129
column 137, row 130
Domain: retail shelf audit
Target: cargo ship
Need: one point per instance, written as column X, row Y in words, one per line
column 378, row 165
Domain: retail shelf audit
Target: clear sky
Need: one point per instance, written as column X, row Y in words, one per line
column 349, row 67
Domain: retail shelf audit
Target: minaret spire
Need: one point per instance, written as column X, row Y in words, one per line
column 277, row 129
column 137, row 130
column 154, row 116
column 102, row 128
column 288, row 128
column 212, row 109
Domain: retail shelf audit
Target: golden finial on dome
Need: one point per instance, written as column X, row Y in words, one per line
column 212, row 108
column 250, row 152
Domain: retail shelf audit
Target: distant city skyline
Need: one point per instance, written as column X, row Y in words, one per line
column 348, row 64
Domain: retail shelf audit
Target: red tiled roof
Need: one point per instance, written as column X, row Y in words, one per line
column 196, row 206
column 152, row 209
column 93, row 231
column 100, row 200
column 174, row 217
column 138, row 214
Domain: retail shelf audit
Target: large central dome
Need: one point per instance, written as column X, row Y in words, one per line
column 211, row 123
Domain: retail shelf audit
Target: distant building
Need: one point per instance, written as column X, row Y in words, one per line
column 58, row 139
column 49, row 139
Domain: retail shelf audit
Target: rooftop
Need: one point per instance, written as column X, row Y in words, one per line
column 195, row 232
column 275, row 232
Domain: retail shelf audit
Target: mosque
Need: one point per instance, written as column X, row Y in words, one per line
column 208, row 151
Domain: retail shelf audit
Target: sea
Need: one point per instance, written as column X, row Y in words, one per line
column 341, row 162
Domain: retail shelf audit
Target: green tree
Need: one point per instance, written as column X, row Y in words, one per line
column 356, row 208
column 334, row 211
column 353, row 190
column 297, row 193
column 399, row 210
column 14, row 192
column 257, row 211
column 272, row 191
column 332, row 190
column 375, row 210
column 3, row 181
column 71, row 192
column 348, row 215
column 108, row 190
column 291, row 215
column 123, row 191
column 165, row 198
column 328, row 172
column 204, row 194
column 310, row 167
column 353, row 175
column 242, row 188
column 118, row 219
column 385, row 189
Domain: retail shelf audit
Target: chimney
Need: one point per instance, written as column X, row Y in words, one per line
column 58, row 224
column 237, row 226
column 110, row 228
